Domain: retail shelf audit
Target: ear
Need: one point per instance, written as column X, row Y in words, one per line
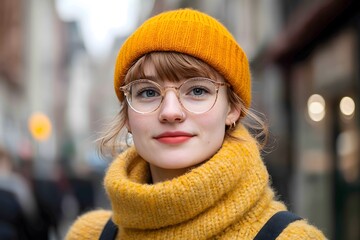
column 233, row 115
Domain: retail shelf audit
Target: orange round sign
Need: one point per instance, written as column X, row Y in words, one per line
column 39, row 126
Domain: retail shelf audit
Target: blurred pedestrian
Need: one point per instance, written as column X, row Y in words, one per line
column 195, row 171
column 18, row 210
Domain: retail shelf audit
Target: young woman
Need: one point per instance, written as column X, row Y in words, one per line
column 194, row 171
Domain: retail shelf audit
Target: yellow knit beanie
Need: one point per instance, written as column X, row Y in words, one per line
column 190, row 32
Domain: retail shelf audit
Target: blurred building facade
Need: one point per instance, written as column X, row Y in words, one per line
column 11, row 67
column 297, row 49
column 314, row 62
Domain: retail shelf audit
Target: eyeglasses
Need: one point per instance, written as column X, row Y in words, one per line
column 197, row 95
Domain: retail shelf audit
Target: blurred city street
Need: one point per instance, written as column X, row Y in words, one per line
column 56, row 97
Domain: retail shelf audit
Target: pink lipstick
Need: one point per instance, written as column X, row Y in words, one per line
column 173, row 137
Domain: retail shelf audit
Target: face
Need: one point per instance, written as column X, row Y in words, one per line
column 173, row 138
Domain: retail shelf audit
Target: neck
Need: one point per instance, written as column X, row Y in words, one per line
column 161, row 174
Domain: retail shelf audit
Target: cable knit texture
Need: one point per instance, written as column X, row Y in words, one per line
column 190, row 32
column 228, row 197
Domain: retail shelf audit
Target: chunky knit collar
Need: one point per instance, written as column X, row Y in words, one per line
column 232, row 183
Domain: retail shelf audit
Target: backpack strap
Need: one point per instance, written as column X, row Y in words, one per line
column 270, row 231
column 275, row 225
column 109, row 231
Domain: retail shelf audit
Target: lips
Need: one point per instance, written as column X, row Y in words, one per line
column 174, row 137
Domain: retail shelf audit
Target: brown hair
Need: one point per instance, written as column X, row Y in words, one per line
column 175, row 67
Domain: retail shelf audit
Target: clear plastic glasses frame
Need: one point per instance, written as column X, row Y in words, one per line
column 197, row 95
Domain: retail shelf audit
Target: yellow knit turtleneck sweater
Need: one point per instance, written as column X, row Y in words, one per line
column 227, row 197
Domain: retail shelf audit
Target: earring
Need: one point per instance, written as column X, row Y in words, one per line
column 233, row 125
column 128, row 138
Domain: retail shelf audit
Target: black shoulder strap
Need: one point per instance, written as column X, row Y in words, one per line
column 275, row 225
column 271, row 230
column 109, row 231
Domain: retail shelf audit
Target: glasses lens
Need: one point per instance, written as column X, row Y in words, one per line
column 144, row 96
column 198, row 95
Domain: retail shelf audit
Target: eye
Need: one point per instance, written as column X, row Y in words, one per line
column 148, row 93
column 198, row 91
column 198, row 88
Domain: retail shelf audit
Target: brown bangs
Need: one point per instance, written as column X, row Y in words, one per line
column 171, row 66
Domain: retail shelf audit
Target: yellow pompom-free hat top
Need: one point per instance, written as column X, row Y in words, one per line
column 193, row 33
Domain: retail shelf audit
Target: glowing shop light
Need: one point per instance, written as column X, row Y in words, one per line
column 316, row 107
column 347, row 106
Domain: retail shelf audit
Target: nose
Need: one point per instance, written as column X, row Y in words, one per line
column 171, row 109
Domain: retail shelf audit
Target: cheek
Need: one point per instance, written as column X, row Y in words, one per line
column 137, row 126
column 213, row 122
column 135, row 123
column 218, row 114
column 141, row 127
